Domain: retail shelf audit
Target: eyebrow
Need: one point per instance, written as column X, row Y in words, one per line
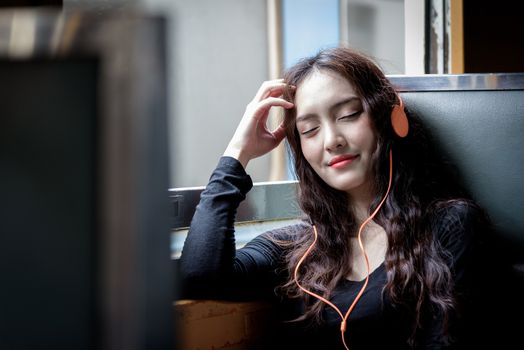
column 337, row 105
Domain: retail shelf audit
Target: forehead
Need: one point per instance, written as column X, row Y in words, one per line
column 320, row 90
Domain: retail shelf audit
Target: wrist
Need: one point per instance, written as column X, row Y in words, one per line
column 237, row 154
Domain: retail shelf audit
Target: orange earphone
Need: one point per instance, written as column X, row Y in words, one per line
column 399, row 120
column 400, row 124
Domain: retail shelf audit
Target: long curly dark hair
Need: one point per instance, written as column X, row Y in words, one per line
column 416, row 272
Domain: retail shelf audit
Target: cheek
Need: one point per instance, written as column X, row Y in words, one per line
column 309, row 151
column 372, row 142
column 368, row 142
column 366, row 136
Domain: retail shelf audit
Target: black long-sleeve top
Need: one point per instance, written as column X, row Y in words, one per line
column 211, row 267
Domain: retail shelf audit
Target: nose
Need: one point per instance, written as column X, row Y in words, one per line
column 333, row 138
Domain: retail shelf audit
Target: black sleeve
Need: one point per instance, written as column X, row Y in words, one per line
column 209, row 266
column 457, row 230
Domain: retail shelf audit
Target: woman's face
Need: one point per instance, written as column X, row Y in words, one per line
column 335, row 130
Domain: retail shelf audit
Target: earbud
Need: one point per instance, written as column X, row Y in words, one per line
column 399, row 120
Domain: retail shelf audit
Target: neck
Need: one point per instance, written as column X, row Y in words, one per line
column 360, row 199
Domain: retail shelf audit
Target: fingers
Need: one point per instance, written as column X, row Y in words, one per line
column 252, row 137
column 266, row 87
column 261, row 109
column 279, row 133
column 270, row 88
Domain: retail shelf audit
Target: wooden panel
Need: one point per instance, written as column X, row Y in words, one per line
column 208, row 324
column 457, row 36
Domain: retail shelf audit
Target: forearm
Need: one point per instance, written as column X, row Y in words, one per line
column 209, row 249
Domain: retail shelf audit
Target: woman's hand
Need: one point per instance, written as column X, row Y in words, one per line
column 252, row 138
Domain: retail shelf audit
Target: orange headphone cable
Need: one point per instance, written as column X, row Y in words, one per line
column 345, row 317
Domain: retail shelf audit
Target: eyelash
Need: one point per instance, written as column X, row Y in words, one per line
column 309, row 131
column 352, row 115
column 349, row 116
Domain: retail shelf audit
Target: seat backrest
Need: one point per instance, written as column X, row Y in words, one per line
column 477, row 122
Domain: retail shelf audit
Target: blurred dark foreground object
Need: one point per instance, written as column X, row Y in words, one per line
column 84, row 211
column 30, row 3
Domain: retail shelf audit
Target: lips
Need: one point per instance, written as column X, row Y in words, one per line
column 342, row 160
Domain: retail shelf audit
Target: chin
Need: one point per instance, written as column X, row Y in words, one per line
column 347, row 182
column 345, row 186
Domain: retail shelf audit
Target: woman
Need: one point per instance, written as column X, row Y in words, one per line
column 381, row 258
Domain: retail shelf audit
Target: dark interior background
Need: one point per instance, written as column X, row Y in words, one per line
column 493, row 33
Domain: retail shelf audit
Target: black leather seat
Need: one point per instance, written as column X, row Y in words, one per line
column 480, row 132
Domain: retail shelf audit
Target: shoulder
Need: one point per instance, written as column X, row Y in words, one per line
column 454, row 211
column 456, row 223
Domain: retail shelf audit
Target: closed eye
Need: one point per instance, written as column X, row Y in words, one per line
column 309, row 131
column 350, row 116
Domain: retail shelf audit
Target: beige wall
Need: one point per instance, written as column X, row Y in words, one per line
column 218, row 58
